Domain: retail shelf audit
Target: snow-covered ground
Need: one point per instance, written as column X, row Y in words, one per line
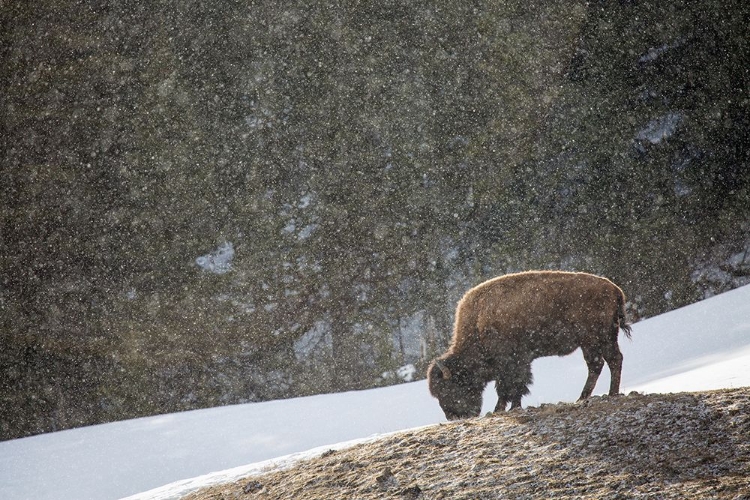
column 703, row 346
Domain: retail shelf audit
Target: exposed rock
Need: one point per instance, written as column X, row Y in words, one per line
column 689, row 445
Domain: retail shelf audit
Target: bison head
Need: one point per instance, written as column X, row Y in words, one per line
column 457, row 391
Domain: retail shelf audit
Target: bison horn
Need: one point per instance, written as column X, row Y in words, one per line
column 444, row 369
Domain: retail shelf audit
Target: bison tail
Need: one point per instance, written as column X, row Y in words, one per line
column 621, row 320
column 626, row 328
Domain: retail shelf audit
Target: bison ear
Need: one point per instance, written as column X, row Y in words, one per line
column 446, row 373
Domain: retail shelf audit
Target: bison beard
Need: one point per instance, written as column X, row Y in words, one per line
column 503, row 324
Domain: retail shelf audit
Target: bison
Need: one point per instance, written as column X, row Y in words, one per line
column 505, row 323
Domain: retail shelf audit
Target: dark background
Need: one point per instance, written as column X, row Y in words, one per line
column 349, row 169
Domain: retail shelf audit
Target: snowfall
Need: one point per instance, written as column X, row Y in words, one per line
column 700, row 347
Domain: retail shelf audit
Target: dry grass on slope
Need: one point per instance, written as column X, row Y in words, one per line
column 691, row 445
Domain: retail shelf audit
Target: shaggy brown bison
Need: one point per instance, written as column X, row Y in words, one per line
column 505, row 323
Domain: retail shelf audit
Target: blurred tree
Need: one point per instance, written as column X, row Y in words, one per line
column 365, row 163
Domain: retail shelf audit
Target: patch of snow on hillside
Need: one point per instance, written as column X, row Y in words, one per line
column 219, row 261
column 660, row 128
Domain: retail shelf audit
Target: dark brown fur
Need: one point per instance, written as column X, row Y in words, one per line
column 505, row 323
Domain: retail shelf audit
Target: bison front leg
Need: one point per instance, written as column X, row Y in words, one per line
column 513, row 385
column 502, row 401
column 595, row 362
column 503, row 398
column 515, row 402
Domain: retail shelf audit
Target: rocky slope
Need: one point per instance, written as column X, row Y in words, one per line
column 689, row 445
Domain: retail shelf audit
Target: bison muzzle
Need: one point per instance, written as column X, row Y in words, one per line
column 505, row 323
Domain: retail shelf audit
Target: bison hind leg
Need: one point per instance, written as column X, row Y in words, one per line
column 613, row 357
column 595, row 362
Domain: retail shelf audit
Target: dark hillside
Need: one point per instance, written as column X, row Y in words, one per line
column 207, row 203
